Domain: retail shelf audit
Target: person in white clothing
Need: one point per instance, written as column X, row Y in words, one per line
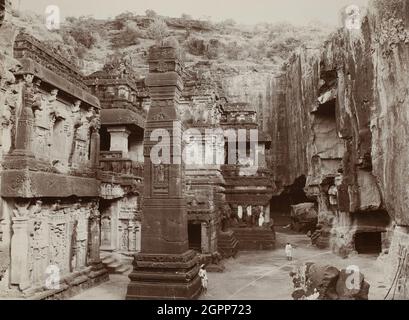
column 203, row 277
column 289, row 251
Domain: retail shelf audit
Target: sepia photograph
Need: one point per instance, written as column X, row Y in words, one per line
column 217, row 152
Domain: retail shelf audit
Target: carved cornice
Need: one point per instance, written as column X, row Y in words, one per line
column 58, row 81
column 102, row 78
column 26, row 46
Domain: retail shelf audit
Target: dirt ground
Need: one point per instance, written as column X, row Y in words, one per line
column 261, row 275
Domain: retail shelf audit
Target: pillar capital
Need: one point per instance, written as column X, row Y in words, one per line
column 118, row 130
column 165, row 59
column 165, row 73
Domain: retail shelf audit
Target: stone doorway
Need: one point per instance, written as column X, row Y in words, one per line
column 195, row 236
column 368, row 242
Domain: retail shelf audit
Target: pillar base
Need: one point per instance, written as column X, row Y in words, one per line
column 165, row 277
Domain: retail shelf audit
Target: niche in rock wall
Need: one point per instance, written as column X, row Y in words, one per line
column 195, row 236
column 61, row 145
column 369, row 228
column 368, row 242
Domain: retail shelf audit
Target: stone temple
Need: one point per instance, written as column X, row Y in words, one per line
column 81, row 196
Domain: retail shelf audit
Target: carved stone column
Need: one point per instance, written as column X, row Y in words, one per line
column 95, row 142
column 165, row 268
column 25, row 121
column 119, row 139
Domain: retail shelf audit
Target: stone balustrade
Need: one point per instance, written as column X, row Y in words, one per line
column 112, row 161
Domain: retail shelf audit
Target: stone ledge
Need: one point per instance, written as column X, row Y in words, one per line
column 185, row 257
column 121, row 117
column 30, row 184
column 48, row 76
column 69, row 287
column 165, row 276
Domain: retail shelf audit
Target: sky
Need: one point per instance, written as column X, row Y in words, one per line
column 298, row 12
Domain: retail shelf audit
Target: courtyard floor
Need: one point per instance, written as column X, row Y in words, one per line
column 262, row 275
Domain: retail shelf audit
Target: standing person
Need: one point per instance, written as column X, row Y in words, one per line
column 289, row 251
column 203, row 277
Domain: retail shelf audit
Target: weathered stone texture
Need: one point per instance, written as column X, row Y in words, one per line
column 324, row 282
column 165, row 268
column 340, row 118
column 48, row 148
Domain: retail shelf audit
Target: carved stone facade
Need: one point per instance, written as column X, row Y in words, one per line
column 121, row 158
column 50, row 220
column 249, row 183
column 120, row 220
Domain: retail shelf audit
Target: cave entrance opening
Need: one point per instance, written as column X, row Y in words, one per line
column 195, row 236
column 368, row 242
column 280, row 206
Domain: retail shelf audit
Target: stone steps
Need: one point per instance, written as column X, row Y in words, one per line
column 115, row 265
column 255, row 238
column 227, row 244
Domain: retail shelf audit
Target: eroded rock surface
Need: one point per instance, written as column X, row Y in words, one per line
column 338, row 118
column 324, row 282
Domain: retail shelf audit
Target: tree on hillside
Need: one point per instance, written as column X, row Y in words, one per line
column 186, row 16
column 129, row 35
column 151, row 13
column 158, row 31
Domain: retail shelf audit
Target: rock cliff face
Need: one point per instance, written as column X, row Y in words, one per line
column 340, row 117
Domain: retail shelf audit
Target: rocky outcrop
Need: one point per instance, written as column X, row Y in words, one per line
column 304, row 217
column 324, row 282
column 340, row 118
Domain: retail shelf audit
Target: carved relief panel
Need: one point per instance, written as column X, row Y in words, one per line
column 48, row 235
column 160, row 174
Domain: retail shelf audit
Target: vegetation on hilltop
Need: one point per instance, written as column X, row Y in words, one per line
column 89, row 42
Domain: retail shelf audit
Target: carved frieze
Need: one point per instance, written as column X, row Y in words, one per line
column 27, row 46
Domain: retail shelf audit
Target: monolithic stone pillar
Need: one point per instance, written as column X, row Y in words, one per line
column 165, row 268
column 119, row 139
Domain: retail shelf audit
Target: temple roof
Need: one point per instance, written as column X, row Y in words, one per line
column 27, row 46
column 50, row 67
